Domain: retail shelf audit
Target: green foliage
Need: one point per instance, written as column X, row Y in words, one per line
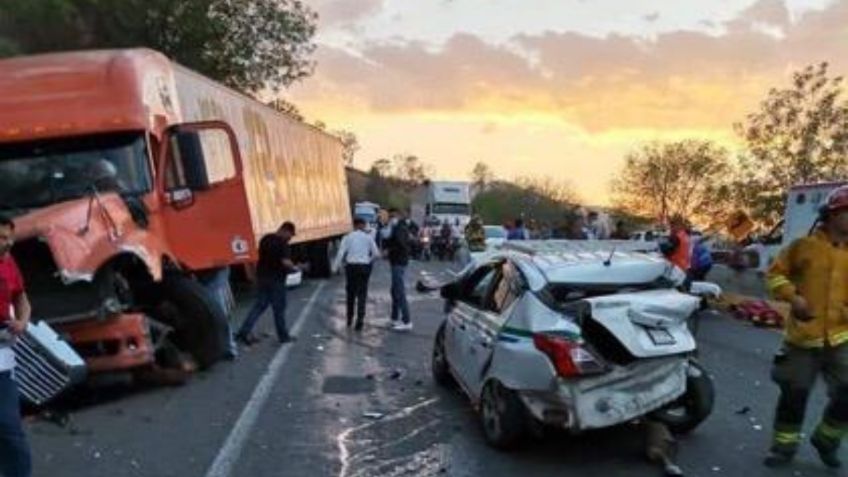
column 503, row 201
column 799, row 135
column 688, row 177
column 246, row 44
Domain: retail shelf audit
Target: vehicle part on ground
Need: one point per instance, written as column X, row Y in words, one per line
column 694, row 406
column 46, row 364
column 503, row 416
column 122, row 342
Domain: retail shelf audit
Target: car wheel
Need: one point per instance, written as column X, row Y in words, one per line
column 502, row 415
column 693, row 407
column 439, row 365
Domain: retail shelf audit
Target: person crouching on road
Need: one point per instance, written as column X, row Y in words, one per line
column 15, row 460
column 358, row 251
column 274, row 266
column 812, row 275
column 398, row 246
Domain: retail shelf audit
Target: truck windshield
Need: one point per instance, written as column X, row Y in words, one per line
column 453, row 209
column 38, row 173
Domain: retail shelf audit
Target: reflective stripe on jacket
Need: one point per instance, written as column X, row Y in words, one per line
column 817, row 270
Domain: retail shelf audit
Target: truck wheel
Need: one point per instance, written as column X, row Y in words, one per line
column 439, row 364
column 200, row 328
column 320, row 259
column 693, row 407
column 502, row 415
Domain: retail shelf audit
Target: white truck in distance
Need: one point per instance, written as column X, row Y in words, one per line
column 449, row 202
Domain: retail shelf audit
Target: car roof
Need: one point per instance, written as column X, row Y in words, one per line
column 602, row 262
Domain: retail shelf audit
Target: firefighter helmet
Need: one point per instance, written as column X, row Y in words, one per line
column 837, row 199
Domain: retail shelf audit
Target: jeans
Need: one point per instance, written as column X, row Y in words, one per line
column 269, row 293
column 14, row 449
column 399, row 303
column 357, row 277
column 217, row 282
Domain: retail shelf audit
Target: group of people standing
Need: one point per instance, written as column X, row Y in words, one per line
column 357, row 253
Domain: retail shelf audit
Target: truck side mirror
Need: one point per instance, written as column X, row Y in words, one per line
column 199, row 156
column 189, row 152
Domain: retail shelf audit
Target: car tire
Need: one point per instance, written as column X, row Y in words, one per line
column 691, row 409
column 200, row 328
column 502, row 415
column 439, row 363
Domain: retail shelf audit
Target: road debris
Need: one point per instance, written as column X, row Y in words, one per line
column 376, row 416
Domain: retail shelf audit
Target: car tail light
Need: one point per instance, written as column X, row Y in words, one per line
column 569, row 356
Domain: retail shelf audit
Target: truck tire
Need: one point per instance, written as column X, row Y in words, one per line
column 691, row 409
column 320, row 259
column 439, row 363
column 502, row 415
column 200, row 328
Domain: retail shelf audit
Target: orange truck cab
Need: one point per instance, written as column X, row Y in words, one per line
column 128, row 175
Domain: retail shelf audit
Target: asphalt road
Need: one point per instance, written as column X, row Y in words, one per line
column 308, row 416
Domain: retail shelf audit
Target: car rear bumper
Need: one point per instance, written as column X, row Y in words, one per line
column 617, row 397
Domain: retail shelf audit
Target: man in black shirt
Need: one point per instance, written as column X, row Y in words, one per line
column 398, row 245
column 274, row 265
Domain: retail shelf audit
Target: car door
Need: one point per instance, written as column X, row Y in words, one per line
column 475, row 290
column 483, row 329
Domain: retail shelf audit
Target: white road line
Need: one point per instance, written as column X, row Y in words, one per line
column 227, row 457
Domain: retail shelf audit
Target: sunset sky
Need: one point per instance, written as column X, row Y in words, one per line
column 561, row 88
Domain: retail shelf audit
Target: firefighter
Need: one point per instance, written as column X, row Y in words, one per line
column 812, row 275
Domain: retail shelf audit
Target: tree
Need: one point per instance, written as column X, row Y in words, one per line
column 381, row 168
column 558, row 191
column 246, row 44
column 286, row 107
column 798, row 135
column 411, row 169
column 350, row 143
column 482, row 175
column 688, row 177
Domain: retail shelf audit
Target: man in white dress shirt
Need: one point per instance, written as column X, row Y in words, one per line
column 358, row 251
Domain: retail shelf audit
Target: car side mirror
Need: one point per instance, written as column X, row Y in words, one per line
column 451, row 292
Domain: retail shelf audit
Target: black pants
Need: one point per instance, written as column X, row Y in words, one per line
column 357, row 292
column 796, row 370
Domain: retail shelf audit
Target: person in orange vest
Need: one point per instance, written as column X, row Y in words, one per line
column 676, row 248
column 812, row 275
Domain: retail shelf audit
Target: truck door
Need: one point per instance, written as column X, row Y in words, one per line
column 205, row 212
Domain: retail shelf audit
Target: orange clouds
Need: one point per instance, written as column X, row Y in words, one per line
column 591, row 97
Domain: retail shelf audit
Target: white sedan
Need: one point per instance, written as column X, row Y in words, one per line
column 572, row 335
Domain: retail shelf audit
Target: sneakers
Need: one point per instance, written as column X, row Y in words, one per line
column 828, row 454
column 402, row 326
column 247, row 340
column 288, row 339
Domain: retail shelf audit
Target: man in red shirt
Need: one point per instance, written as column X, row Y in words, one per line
column 14, row 315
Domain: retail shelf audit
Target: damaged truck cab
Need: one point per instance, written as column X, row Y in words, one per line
column 127, row 175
